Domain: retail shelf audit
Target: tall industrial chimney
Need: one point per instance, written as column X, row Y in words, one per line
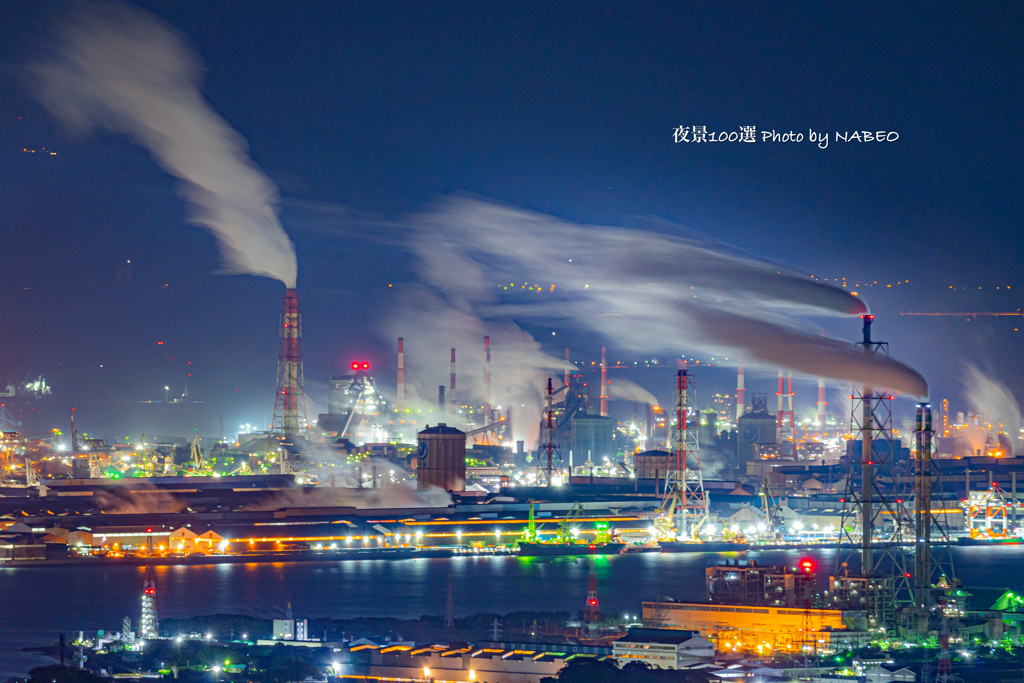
column 487, row 380
column 789, row 405
column 400, row 403
column 740, row 390
column 604, row 383
column 779, row 412
column 566, row 366
column 440, row 399
column 290, row 399
column 821, row 403
column 451, row 388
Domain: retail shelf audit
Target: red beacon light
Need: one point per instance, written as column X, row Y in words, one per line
column 807, row 565
column 358, row 365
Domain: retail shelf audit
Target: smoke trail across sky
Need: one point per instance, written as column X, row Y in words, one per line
column 119, row 68
column 643, row 290
column 993, row 400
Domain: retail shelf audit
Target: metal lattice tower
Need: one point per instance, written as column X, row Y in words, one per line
column 290, row 398
column 684, row 507
column 929, row 568
column 591, row 613
column 149, row 626
column 550, row 450
column 883, row 583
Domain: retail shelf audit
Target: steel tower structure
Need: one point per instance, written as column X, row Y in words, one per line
column 929, row 568
column 591, row 612
column 290, row 399
column 684, row 507
column 883, row 582
column 549, row 449
column 149, row 626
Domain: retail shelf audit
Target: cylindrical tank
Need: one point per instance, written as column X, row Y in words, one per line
column 442, row 458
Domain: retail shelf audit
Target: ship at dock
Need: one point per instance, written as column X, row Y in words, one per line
column 566, row 541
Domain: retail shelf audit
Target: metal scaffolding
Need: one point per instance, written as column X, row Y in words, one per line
column 875, row 515
column 684, row 507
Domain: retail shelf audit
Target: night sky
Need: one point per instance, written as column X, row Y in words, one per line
column 376, row 110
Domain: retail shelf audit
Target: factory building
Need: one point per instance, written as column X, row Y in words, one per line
column 453, row 663
column 707, row 429
column 755, row 430
column 591, row 439
column 663, row 648
column 653, row 464
column 441, row 458
column 748, row 628
column 355, row 409
column 761, row 585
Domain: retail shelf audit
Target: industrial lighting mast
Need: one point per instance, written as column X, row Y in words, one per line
column 684, row 507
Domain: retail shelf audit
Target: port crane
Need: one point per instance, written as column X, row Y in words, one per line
column 771, row 511
column 197, row 455
column 565, row 527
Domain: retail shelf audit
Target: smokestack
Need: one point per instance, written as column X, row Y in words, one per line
column 487, row 380
column 287, row 420
column 821, row 404
column 451, row 388
column 566, row 366
column 789, row 406
column 604, row 383
column 440, row 398
column 740, row 390
column 779, row 413
column 401, row 375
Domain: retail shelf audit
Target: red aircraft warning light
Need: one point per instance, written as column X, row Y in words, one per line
column 807, row 565
column 357, row 365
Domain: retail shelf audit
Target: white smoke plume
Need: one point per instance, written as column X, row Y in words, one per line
column 993, row 401
column 433, row 324
column 626, row 390
column 119, row 68
column 644, row 291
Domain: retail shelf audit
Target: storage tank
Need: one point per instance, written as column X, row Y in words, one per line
column 442, row 458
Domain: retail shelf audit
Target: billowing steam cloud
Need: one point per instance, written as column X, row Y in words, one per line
column 625, row 390
column 433, row 323
column 119, row 68
column 993, row 401
column 643, row 290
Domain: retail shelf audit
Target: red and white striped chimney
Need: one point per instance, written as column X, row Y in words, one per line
column 789, row 406
column 604, row 383
column 290, row 400
column 821, row 403
column 778, row 412
column 400, row 403
column 487, row 380
column 740, row 391
column 451, row 388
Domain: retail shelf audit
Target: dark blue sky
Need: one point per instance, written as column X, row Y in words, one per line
column 564, row 108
